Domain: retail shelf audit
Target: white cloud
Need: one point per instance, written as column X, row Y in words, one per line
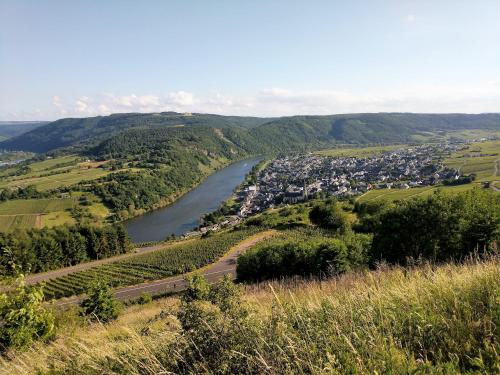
column 277, row 101
column 181, row 98
column 410, row 18
column 56, row 101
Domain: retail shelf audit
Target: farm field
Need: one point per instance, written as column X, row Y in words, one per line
column 34, row 206
column 171, row 261
column 481, row 158
column 401, row 194
column 32, row 213
column 53, row 173
column 41, row 213
column 9, row 223
column 358, row 151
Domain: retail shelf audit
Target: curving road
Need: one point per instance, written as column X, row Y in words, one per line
column 212, row 272
column 45, row 276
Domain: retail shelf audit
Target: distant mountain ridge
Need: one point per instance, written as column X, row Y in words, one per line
column 9, row 129
column 255, row 134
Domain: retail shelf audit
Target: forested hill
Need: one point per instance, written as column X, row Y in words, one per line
column 88, row 132
column 9, row 129
column 284, row 133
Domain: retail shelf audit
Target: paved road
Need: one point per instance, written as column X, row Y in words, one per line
column 44, row 276
column 213, row 272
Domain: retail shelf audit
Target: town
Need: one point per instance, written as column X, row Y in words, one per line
column 292, row 179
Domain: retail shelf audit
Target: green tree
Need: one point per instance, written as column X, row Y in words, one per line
column 100, row 304
column 329, row 215
column 24, row 318
column 197, row 288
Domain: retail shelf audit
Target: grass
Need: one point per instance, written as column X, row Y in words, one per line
column 402, row 194
column 34, row 213
column 34, row 206
column 360, row 152
column 9, row 223
column 51, row 212
column 53, row 173
column 428, row 319
column 479, row 158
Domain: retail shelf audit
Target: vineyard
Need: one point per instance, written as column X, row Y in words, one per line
column 175, row 260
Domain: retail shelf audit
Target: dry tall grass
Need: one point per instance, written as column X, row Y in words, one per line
column 429, row 319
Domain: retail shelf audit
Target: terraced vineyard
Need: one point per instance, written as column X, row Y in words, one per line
column 174, row 260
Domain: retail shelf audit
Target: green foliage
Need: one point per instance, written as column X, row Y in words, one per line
column 27, row 192
column 23, row 317
column 329, row 215
column 100, row 305
column 144, row 299
column 197, row 288
column 308, row 256
column 39, row 250
column 439, row 228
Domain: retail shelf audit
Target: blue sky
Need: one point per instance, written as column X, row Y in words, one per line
column 84, row 58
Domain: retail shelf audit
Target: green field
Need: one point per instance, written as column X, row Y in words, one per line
column 401, row 194
column 33, row 213
column 40, row 213
column 34, row 206
column 174, row 260
column 53, row 173
column 358, row 151
column 480, row 158
column 8, row 223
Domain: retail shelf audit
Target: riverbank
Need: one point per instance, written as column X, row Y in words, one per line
column 183, row 214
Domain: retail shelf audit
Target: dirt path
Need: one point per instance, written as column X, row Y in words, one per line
column 44, row 276
column 212, row 272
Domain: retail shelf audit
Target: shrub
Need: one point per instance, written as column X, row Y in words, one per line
column 329, row 215
column 100, row 304
column 439, row 228
column 24, row 318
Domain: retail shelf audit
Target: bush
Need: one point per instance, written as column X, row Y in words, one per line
column 314, row 257
column 329, row 215
column 24, row 318
column 144, row 299
column 439, row 228
column 100, row 305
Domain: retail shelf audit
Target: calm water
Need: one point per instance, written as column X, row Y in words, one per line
column 184, row 214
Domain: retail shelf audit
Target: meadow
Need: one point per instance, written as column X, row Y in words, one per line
column 360, row 152
column 173, row 260
column 401, row 194
column 34, row 213
column 426, row 319
column 480, row 158
column 53, row 173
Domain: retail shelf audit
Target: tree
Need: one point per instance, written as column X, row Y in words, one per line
column 24, row 317
column 329, row 215
column 100, row 304
column 197, row 288
column 439, row 228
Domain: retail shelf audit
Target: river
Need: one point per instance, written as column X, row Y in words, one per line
column 183, row 215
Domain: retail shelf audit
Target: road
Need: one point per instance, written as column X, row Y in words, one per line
column 492, row 184
column 45, row 276
column 212, row 272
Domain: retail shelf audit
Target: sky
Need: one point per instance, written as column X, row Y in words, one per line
column 83, row 58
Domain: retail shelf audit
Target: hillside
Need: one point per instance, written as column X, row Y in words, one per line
column 285, row 133
column 9, row 129
column 422, row 320
column 79, row 132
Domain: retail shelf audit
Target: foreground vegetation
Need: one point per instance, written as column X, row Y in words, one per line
column 425, row 319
